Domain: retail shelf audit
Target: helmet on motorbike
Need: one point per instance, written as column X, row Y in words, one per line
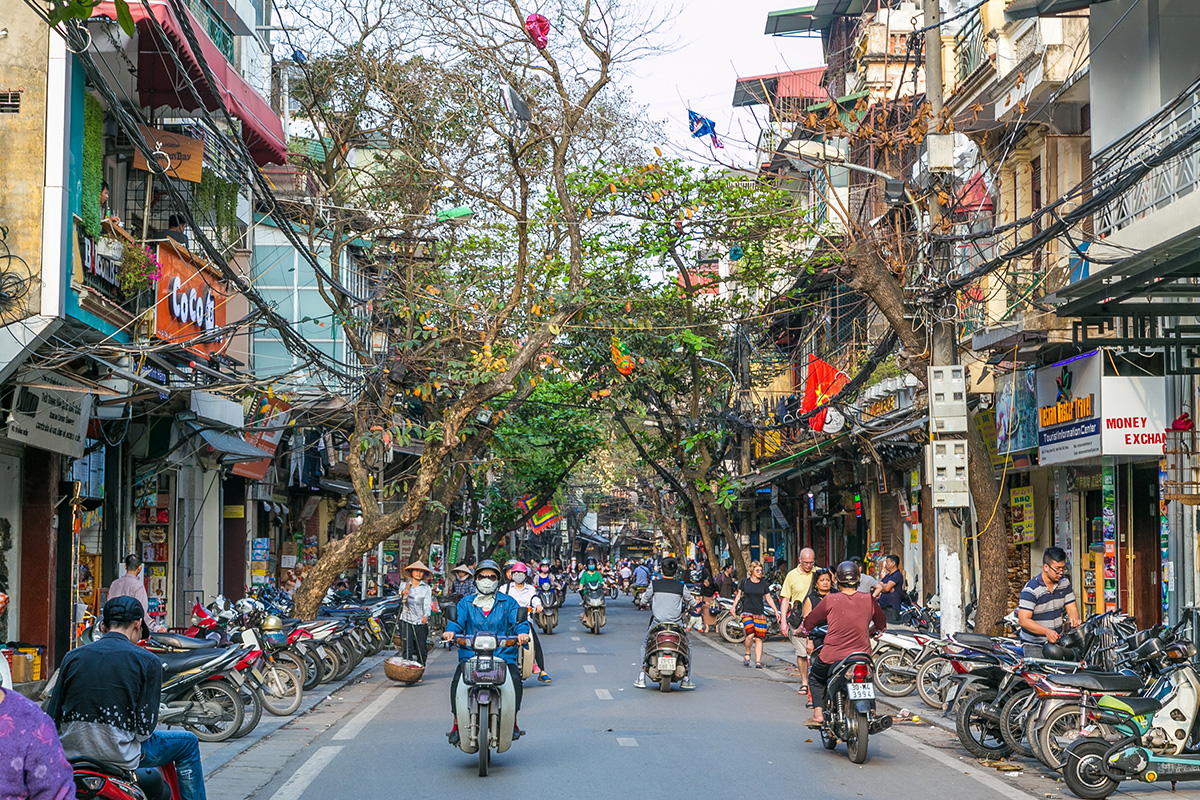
column 847, row 574
column 545, row 562
column 519, row 567
column 487, row 564
column 1056, row 652
column 272, row 624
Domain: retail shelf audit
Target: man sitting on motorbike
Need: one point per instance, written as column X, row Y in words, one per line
column 590, row 578
column 847, row 615
column 520, row 589
column 105, row 703
column 487, row 611
column 669, row 601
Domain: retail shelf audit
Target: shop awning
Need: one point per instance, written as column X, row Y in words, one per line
column 160, row 84
column 764, row 477
column 759, row 89
column 810, row 19
column 230, row 449
column 1023, row 9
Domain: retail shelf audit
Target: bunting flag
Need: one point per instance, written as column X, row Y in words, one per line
column 703, row 126
column 545, row 517
column 621, row 356
column 821, row 384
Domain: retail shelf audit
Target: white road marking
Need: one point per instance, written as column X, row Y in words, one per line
column 574, row 638
column 624, row 742
column 301, row 778
column 580, row 649
column 968, row 769
column 572, row 628
column 354, row 727
column 589, row 669
column 604, row 694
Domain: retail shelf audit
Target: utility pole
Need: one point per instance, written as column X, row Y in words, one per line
column 944, row 347
column 748, row 506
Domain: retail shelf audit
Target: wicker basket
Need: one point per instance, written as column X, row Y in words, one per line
column 398, row 669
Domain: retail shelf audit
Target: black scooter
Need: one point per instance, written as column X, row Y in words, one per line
column 849, row 702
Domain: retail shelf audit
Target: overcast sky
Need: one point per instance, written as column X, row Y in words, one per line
column 717, row 41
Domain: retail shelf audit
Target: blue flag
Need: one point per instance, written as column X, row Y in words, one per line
column 703, row 126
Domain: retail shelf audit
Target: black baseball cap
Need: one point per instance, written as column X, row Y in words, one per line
column 122, row 610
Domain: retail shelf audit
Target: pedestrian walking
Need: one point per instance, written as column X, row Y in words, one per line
column 711, row 608
column 796, row 586
column 755, row 594
column 131, row 585
column 417, row 604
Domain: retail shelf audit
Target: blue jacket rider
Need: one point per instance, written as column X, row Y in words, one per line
column 487, row 612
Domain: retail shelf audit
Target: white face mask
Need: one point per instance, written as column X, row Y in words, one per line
column 486, row 586
column 518, row 577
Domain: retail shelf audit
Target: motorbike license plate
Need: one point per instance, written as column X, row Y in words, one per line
column 860, row 691
column 666, row 663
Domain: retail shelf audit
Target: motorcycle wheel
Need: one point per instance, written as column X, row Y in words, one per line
column 222, row 696
column 1084, row 769
column 1060, row 730
column 346, row 657
column 282, row 693
column 252, row 709
column 856, row 741
column 331, row 664
column 929, row 678
column 887, row 681
column 612, row 592
column 731, row 629
column 314, row 670
column 1013, row 716
column 294, row 664
column 1032, row 729
column 980, row 735
column 485, row 751
column 375, row 644
column 664, row 684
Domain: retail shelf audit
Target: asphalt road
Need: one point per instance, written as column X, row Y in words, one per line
column 590, row 733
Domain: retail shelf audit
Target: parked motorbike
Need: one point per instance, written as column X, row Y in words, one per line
column 593, row 609
column 849, row 703
column 667, row 654
column 485, row 701
column 200, row 691
column 97, row 781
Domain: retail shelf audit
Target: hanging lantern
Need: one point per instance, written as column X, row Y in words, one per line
column 621, row 357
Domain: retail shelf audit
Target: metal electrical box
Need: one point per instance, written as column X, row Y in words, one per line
column 947, row 400
column 948, row 468
column 940, row 149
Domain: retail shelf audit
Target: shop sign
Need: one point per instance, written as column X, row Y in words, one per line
column 1021, row 504
column 99, row 264
column 1069, row 409
column 1016, row 412
column 182, row 156
column 189, row 303
column 1134, row 415
column 264, row 429
column 51, row 413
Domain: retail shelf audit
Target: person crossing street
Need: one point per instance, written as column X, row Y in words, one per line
column 796, row 586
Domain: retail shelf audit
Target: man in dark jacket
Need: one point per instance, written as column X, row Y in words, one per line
column 105, row 703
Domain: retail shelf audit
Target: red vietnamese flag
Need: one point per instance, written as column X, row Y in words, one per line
column 821, row 384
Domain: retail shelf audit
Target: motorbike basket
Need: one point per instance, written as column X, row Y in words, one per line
column 484, row 670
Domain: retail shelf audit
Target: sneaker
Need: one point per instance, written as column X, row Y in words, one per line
column 453, row 737
column 544, row 678
column 687, row 684
column 640, row 683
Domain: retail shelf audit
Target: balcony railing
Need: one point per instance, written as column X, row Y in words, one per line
column 217, row 29
column 968, row 47
column 1164, row 184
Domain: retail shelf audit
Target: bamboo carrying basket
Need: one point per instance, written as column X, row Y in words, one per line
column 402, row 670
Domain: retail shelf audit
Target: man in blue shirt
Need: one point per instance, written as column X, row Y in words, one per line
column 891, row 588
column 1045, row 599
column 641, row 575
column 487, row 611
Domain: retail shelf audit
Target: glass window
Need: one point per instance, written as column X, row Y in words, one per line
column 271, row 357
column 282, row 299
column 274, row 265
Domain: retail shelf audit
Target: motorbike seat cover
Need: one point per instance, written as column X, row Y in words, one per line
column 1098, row 681
column 179, row 641
column 1137, row 706
column 181, row 662
column 85, row 763
column 973, row 639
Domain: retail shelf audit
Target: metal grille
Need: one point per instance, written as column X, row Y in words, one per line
column 10, row 102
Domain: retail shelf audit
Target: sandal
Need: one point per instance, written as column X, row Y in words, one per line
column 746, row 661
column 803, row 689
column 758, row 665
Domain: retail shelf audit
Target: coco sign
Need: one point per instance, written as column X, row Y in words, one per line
column 190, row 302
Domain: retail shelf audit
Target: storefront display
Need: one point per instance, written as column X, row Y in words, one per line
column 152, row 519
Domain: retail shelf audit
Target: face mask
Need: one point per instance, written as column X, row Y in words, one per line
column 518, row 577
column 486, row 586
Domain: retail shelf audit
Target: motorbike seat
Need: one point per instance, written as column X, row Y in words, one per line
column 83, row 762
column 973, row 639
column 1098, row 681
column 151, row 782
column 181, row 662
column 1138, row 706
column 178, row 641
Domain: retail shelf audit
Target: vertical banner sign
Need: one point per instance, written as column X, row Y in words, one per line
column 454, row 540
column 1109, row 512
column 1021, row 503
column 1063, row 524
column 1166, row 580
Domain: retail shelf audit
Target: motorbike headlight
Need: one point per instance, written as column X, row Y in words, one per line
column 195, row 621
column 484, row 641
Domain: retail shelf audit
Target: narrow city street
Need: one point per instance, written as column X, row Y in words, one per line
column 591, row 733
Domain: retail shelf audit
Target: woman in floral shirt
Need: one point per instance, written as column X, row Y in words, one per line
column 33, row 765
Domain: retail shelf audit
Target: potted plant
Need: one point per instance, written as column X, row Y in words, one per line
column 138, row 268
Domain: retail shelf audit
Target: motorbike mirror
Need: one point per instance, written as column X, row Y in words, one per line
column 523, row 614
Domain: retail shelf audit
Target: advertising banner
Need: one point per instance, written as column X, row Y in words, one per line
column 190, row 302
column 1021, row 505
column 1134, row 413
column 264, row 429
column 1069, row 409
column 51, row 413
column 1016, row 412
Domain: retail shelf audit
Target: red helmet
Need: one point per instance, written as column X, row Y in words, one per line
column 519, row 567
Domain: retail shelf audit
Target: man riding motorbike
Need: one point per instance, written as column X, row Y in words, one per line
column 669, row 599
column 487, row 611
column 590, row 578
column 526, row 595
column 105, row 703
column 847, row 614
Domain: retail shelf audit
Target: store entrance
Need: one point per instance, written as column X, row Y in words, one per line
column 1144, row 531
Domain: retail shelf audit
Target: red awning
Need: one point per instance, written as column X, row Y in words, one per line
column 160, row 84
column 973, row 197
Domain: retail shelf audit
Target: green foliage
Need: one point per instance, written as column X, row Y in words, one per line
column 93, row 164
column 216, row 200
column 62, row 10
column 137, row 269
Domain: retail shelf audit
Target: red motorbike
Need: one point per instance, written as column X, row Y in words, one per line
column 96, row 780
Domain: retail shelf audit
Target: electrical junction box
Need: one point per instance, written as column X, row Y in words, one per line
column 947, row 400
column 939, row 147
column 948, row 471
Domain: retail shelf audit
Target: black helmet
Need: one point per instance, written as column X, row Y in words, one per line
column 591, row 562
column 847, row 574
column 669, row 566
column 490, row 565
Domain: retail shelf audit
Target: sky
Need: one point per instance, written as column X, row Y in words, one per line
column 715, row 43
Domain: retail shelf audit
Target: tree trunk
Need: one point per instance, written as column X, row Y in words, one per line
column 993, row 536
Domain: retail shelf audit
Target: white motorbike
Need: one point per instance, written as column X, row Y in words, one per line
column 485, row 701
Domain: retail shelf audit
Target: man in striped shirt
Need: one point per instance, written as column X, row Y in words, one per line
column 1044, row 600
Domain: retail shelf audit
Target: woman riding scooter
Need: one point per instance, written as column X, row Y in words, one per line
column 525, row 593
column 488, row 611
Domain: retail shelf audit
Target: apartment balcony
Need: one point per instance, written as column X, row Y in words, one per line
column 970, row 52
column 217, row 29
